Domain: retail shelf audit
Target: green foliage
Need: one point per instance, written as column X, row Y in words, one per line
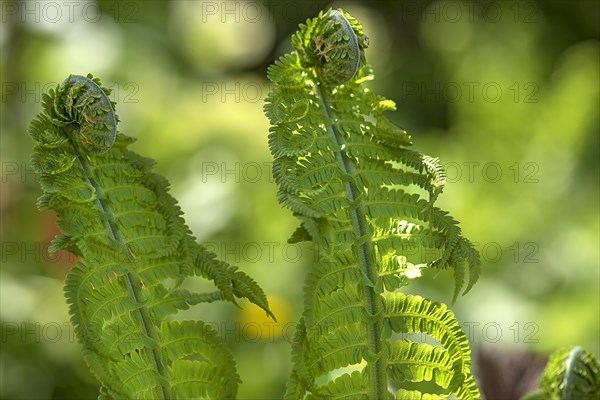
column 136, row 251
column 572, row 373
column 367, row 203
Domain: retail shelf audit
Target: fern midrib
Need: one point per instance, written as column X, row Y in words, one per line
column 570, row 362
column 365, row 253
column 134, row 289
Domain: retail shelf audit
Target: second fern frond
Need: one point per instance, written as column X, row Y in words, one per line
column 367, row 202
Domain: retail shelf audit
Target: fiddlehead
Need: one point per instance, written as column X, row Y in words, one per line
column 367, row 203
column 571, row 373
column 333, row 47
column 86, row 113
column 136, row 252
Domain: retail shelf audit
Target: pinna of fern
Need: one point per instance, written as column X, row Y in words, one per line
column 136, row 252
column 367, row 202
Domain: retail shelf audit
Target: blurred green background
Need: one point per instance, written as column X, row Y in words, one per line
column 505, row 93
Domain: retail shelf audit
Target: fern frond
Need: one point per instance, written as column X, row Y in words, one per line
column 136, row 251
column 571, row 373
column 367, row 202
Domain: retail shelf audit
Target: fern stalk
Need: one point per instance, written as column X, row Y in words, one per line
column 133, row 286
column 365, row 257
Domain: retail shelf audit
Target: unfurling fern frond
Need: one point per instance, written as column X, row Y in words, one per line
column 136, row 251
column 572, row 373
column 367, row 202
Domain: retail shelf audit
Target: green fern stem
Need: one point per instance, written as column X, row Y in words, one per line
column 135, row 291
column 365, row 253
